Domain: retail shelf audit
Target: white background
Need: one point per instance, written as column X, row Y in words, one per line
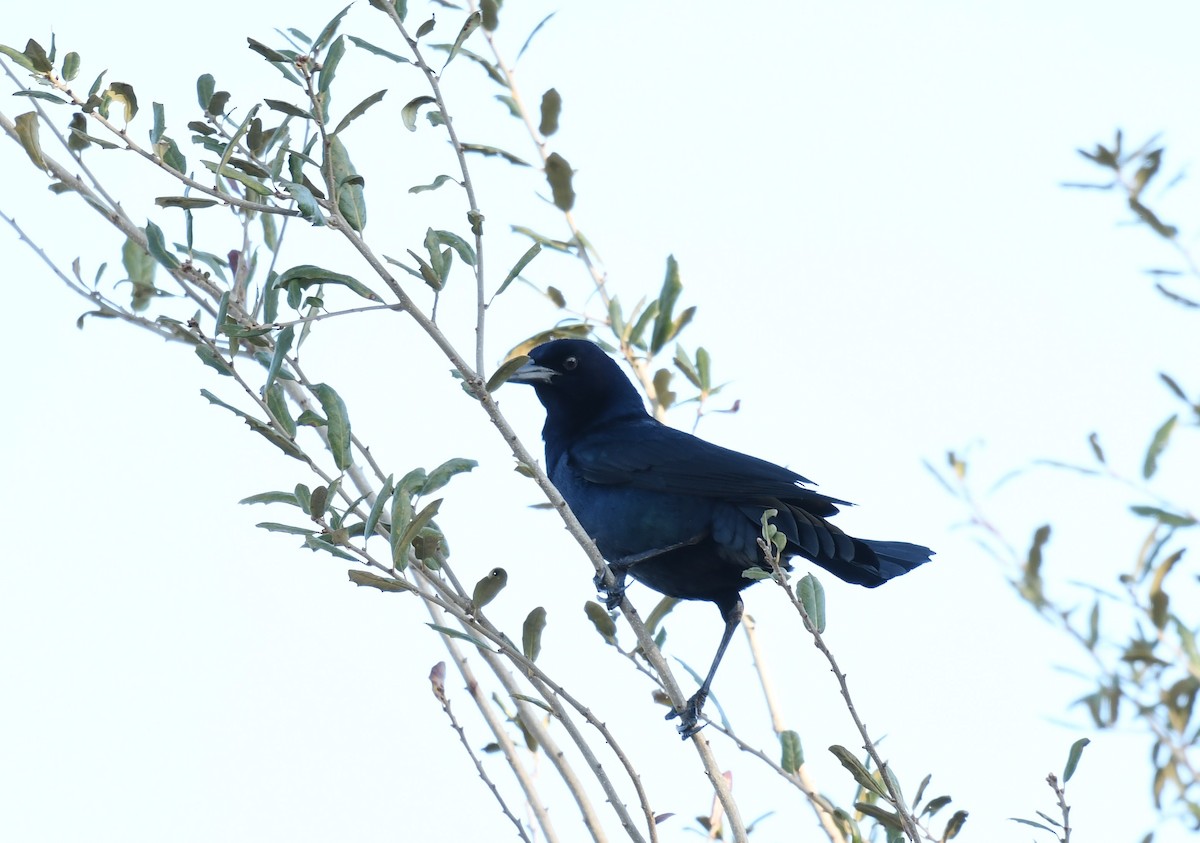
column 866, row 202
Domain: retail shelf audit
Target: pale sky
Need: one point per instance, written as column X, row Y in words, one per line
column 865, row 200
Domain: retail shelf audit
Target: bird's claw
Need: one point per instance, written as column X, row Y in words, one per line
column 612, row 596
column 689, row 718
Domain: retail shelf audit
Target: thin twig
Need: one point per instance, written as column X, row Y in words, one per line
column 439, row 692
column 911, row 829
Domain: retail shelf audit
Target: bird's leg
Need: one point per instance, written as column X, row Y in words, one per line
column 689, row 717
column 612, row 596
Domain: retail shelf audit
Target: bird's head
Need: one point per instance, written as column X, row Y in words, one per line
column 578, row 384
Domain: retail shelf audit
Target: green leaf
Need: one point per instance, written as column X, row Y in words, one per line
column 330, row 29
column 441, row 475
column 408, row 114
column 337, row 423
column 70, row 67
column 559, row 174
column 812, row 597
column 17, row 56
column 377, row 507
column 317, row 502
column 39, row 61
column 306, row 275
column 140, row 266
column 379, row 51
column 793, row 753
column 535, row 31
column 548, row 242
column 348, row 185
column 123, row 93
column 488, row 587
column 266, row 52
column 261, row 428
column 288, row 108
column 27, row 134
column 1157, row 445
column 359, row 110
column 936, row 804
column 434, row 185
column 458, row 244
column 603, row 622
column 1171, row 519
column 491, row 14
column 229, row 172
column 1073, row 758
column 671, row 288
column 489, row 151
column 530, row 253
column 888, row 819
column 277, row 404
column 283, row 344
column 205, row 87
column 186, row 202
column 157, row 246
column 469, row 25
column 551, row 108
column 865, row 780
column 316, row 543
column 305, row 201
column 329, row 65
column 756, row 574
column 531, row 633
column 211, row 359
column 1031, row 578
column 660, row 611
column 506, row 371
column 42, row 95
column 426, row 28
column 272, row 497
column 957, row 821
column 273, row 527
column 454, row 633
column 382, row 583
column 402, row 541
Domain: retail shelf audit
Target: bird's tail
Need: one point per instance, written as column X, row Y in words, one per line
column 876, row 562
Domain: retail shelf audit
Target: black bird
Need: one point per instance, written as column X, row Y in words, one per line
column 676, row 513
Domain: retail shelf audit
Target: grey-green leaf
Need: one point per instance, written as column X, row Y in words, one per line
column 351, row 201
column 441, row 475
column 470, row 25
column 1157, row 445
column 382, row 583
column 359, row 110
column 409, row 113
column 530, row 253
column 531, row 633
column 337, row 425
column 600, row 619
column 27, row 134
column 812, row 597
column 551, row 108
column 858, row 771
column 1073, row 758
column 376, row 512
column 506, row 371
column 792, row 753
column 559, row 174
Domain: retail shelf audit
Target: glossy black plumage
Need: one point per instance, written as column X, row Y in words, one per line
column 675, row 512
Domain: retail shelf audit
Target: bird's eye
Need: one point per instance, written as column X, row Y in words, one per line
column 569, row 364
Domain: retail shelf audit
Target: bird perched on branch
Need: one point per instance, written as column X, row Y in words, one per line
column 674, row 512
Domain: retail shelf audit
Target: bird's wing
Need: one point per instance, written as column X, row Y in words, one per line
column 644, row 454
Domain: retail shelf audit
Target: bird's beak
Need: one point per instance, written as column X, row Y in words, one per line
column 532, row 373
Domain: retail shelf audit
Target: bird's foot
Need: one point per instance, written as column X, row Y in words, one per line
column 689, row 717
column 612, row 596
